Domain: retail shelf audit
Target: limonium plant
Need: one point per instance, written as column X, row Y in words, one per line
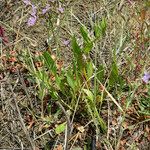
column 33, row 15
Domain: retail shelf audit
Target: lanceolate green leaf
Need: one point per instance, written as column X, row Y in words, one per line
column 100, row 28
column 76, row 47
column 71, row 81
column 103, row 26
column 97, row 31
column 89, row 94
column 90, row 69
column 93, row 110
column 100, row 73
column 60, row 128
column 49, row 62
column 114, row 77
column 84, row 34
column 77, row 54
column 88, row 47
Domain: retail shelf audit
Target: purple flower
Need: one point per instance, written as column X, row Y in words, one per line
column 33, row 18
column 47, row 8
column 31, row 21
column 27, row 2
column 66, row 42
column 61, row 9
column 146, row 77
column 34, row 10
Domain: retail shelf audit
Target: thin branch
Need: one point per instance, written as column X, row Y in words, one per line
column 20, row 118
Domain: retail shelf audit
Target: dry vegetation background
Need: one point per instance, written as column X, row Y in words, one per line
column 21, row 126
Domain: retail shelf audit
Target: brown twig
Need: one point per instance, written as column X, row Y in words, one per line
column 20, row 118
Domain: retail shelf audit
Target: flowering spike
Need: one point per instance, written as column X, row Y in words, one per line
column 34, row 10
column 32, row 20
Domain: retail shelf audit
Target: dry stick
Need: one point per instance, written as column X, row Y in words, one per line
column 76, row 135
column 68, row 128
column 20, row 118
column 111, row 97
column 49, row 131
column 24, row 87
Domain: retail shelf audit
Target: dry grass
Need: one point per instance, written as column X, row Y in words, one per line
column 21, row 123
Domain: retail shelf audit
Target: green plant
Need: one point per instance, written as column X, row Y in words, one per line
column 73, row 84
